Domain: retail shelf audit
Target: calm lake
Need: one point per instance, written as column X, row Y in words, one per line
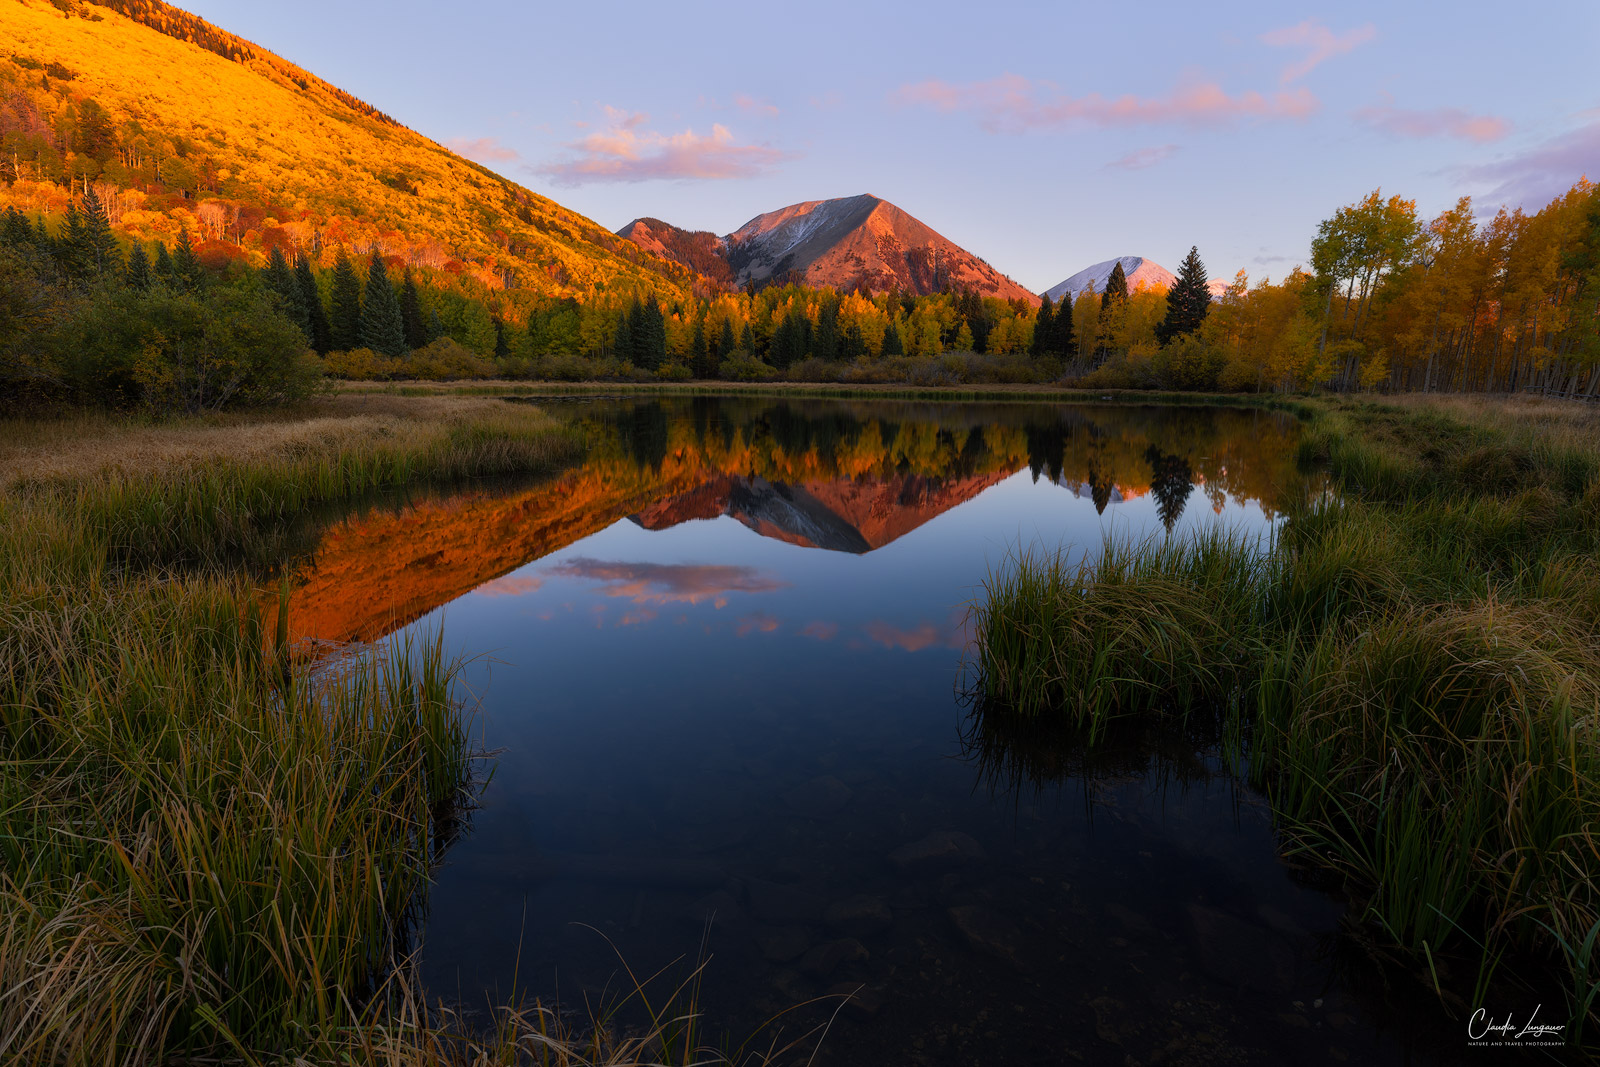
column 722, row 666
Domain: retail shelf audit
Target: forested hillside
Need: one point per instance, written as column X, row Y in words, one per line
column 184, row 126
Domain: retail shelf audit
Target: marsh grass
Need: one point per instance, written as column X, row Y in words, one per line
column 1413, row 671
column 214, row 849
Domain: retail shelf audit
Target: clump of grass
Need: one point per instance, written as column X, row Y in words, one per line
column 1152, row 625
column 1415, row 669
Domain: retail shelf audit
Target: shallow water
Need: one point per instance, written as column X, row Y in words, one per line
column 722, row 665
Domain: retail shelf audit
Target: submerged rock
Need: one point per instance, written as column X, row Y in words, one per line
column 861, row 1001
column 830, row 955
column 780, row 944
column 1240, row 953
column 988, row 932
column 946, row 848
column 859, row 916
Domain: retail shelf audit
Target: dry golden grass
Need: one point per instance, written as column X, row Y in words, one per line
column 87, row 445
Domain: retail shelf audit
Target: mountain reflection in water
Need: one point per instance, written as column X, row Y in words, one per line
column 843, row 477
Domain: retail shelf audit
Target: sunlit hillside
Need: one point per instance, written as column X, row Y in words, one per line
column 183, row 125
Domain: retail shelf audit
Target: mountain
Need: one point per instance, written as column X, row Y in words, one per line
column 183, row 125
column 699, row 250
column 1138, row 270
column 855, row 242
column 853, row 515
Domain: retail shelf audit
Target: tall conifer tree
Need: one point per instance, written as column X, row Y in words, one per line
column 311, row 297
column 1116, row 287
column 344, row 324
column 166, row 271
column 1188, row 301
column 186, row 269
column 416, row 326
column 1044, row 328
column 381, row 327
column 137, row 276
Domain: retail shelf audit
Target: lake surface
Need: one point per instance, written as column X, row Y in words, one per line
column 722, row 666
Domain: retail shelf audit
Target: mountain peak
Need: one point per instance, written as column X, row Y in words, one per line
column 1139, row 271
column 852, row 242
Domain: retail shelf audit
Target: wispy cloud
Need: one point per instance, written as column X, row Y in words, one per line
column 626, row 150
column 664, row 583
column 1538, row 175
column 751, row 106
column 1435, row 122
column 1319, row 42
column 1012, row 103
column 1140, row 158
column 481, row 149
column 758, row 623
column 822, row 631
column 510, row 585
column 926, row 634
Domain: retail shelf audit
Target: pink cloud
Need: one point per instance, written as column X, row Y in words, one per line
column 627, row 151
column 509, row 586
column 1534, row 177
column 666, row 583
column 1140, row 158
column 1013, row 103
column 1437, row 122
column 751, row 106
column 759, row 622
column 1320, row 43
column 822, row 631
column 481, row 150
column 925, row 634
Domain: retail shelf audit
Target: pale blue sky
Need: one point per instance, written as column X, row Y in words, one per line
column 1043, row 137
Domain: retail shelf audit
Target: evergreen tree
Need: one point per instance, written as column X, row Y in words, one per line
column 97, row 252
column 381, row 327
column 726, row 344
column 137, row 276
column 280, row 280
column 622, row 337
column 416, row 326
column 652, row 343
column 15, row 231
column 502, row 344
column 344, row 324
column 1061, row 327
column 1188, row 301
column 166, row 270
column 854, row 345
column 1116, row 287
column 892, row 345
column 747, row 340
column 1044, row 329
column 187, row 272
column 311, row 297
column 699, row 352
column 68, row 248
column 825, row 338
column 435, row 326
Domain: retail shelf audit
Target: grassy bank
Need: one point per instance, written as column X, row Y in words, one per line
column 212, row 850
column 1413, row 671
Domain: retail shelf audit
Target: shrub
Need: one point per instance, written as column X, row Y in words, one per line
column 742, row 367
column 166, row 351
column 360, row 365
column 445, row 360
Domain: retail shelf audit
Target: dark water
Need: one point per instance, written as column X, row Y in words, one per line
column 722, row 663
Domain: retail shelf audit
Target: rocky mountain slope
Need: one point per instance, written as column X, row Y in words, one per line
column 856, row 242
